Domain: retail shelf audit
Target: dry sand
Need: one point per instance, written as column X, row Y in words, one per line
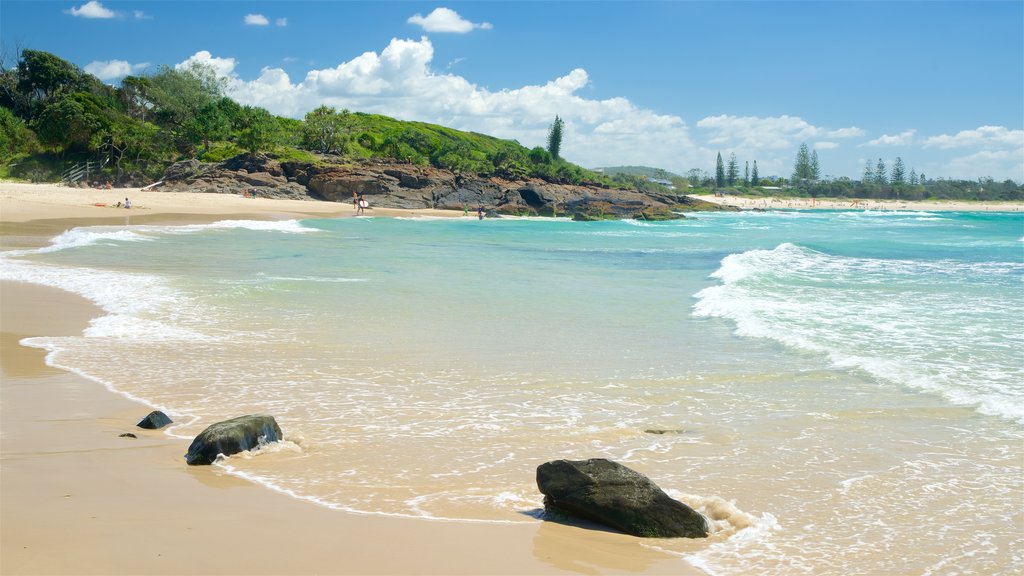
column 772, row 203
column 76, row 498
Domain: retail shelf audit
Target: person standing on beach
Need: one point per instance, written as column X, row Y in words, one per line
column 480, row 212
column 355, row 200
column 360, row 205
column 127, row 203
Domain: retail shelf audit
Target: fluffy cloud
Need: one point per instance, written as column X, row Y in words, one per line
column 904, row 138
column 826, row 145
column 987, row 137
column 986, row 163
column 399, row 82
column 256, row 20
column 224, row 67
column 771, row 133
column 92, row 9
column 446, row 20
column 114, row 69
column 281, row 22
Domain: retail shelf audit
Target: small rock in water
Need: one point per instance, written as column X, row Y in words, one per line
column 231, row 437
column 613, row 495
column 154, row 420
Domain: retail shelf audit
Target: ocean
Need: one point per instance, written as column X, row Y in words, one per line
column 840, row 392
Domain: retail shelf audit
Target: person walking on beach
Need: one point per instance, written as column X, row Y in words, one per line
column 480, row 212
column 360, row 205
column 355, row 200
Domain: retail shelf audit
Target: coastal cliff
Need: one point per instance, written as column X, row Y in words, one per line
column 389, row 184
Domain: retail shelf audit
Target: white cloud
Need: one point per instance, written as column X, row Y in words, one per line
column 987, row 137
column 256, row 20
column 281, row 22
column 399, row 82
column 224, row 67
column 140, row 15
column 987, row 163
column 114, row 69
column 904, row 138
column 771, row 133
column 92, row 9
column 446, row 20
column 826, row 145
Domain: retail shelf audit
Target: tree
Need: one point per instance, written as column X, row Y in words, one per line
column 881, row 176
column 754, row 178
column 209, row 123
column 258, row 129
column 913, row 177
column 326, row 130
column 898, row 172
column 15, row 137
column 176, row 96
column 61, row 123
column 746, row 173
column 696, row 176
column 869, row 175
column 815, row 168
column 555, row 138
column 733, row 172
column 719, row 172
column 42, row 76
column 802, row 169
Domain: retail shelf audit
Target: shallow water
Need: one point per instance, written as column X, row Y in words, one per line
column 843, row 392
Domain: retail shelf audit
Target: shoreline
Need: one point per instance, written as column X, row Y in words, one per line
column 860, row 204
column 76, row 498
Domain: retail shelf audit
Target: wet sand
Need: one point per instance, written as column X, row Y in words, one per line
column 76, row 498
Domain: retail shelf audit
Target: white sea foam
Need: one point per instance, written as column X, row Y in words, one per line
column 86, row 236
column 939, row 326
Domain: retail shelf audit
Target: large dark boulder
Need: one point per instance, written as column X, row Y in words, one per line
column 611, row 494
column 154, row 420
column 232, row 436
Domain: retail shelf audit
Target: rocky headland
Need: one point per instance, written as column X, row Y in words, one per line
column 390, row 184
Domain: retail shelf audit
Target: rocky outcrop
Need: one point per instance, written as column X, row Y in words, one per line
column 232, row 436
column 613, row 495
column 388, row 184
column 243, row 175
column 154, row 421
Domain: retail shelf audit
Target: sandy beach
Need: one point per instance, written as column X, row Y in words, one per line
column 77, row 498
column 788, row 203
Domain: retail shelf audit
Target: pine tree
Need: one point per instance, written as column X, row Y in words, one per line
column 754, row 179
column 815, row 169
column 555, row 138
column 869, row 175
column 733, row 172
column 746, row 173
column 802, row 167
column 881, row 176
column 719, row 172
column 913, row 177
column 898, row 172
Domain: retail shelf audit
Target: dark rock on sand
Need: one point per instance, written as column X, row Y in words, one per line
column 232, row 436
column 154, row 420
column 127, row 435
column 611, row 494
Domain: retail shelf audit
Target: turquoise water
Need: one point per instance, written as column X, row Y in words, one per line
column 838, row 390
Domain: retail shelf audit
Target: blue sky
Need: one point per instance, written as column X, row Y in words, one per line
column 663, row 84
